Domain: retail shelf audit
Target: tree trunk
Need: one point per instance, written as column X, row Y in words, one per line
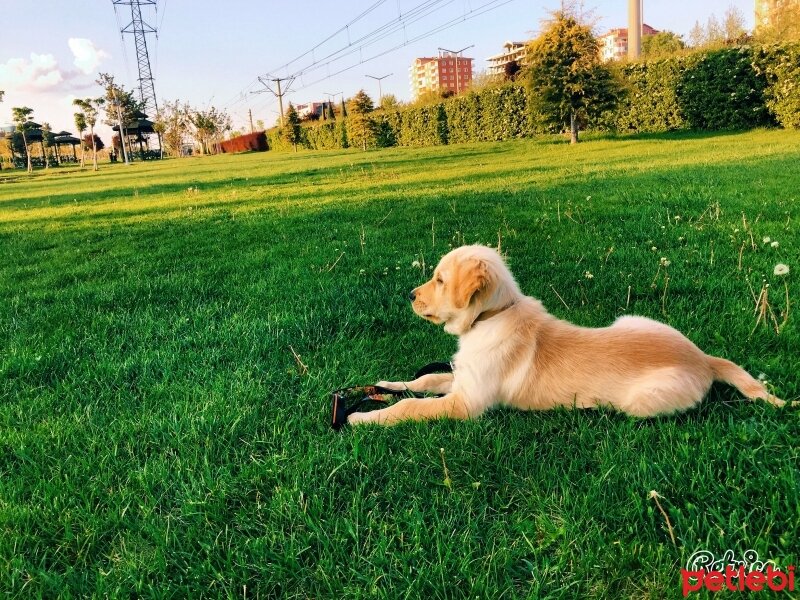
column 27, row 151
column 573, row 128
column 94, row 150
column 83, row 150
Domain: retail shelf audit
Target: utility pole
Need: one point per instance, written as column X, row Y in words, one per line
column 140, row 29
column 380, row 91
column 250, row 114
column 278, row 93
column 634, row 29
column 330, row 100
column 456, row 54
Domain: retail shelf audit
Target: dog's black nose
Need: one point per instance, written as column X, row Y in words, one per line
column 413, row 295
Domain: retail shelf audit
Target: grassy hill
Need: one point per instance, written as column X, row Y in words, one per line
column 158, row 436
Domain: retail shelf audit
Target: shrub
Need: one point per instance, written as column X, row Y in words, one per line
column 780, row 66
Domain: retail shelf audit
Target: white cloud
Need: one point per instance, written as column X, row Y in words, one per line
column 87, row 55
column 39, row 74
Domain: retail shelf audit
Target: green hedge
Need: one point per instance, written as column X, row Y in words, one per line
column 780, row 66
column 730, row 88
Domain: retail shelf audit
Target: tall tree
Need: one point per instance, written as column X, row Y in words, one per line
column 715, row 33
column 389, row 102
column 121, row 106
column 361, row 125
column 344, row 109
column 782, row 22
column 292, row 131
column 23, row 119
column 568, row 79
column 173, row 122
column 90, row 109
column 209, row 125
column 81, row 126
column 733, row 25
column 662, row 44
column 697, row 36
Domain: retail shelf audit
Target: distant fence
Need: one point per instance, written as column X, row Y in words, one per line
column 250, row 142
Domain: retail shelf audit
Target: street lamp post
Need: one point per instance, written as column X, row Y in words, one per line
column 330, row 99
column 456, row 53
column 380, row 91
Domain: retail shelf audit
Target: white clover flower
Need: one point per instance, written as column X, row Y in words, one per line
column 653, row 248
column 588, row 275
column 774, row 244
column 415, row 264
column 781, row 269
column 361, row 272
column 766, row 240
column 664, row 262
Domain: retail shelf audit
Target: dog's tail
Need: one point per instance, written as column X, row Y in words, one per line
column 733, row 374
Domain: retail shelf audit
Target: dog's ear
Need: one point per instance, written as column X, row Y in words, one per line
column 473, row 276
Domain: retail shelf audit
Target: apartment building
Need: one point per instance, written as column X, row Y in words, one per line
column 446, row 72
column 614, row 44
column 512, row 51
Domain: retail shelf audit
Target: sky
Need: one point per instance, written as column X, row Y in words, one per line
column 211, row 53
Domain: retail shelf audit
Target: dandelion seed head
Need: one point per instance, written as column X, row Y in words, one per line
column 781, row 269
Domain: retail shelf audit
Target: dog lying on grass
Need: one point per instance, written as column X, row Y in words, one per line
column 512, row 352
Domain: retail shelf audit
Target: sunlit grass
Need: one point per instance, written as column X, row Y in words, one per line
column 157, row 436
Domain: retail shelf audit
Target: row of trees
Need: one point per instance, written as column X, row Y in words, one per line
column 569, row 81
column 178, row 121
column 566, row 87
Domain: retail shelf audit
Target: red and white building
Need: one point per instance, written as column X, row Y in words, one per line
column 614, row 44
column 446, row 72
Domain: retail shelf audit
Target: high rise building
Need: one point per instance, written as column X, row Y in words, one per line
column 614, row 44
column 512, row 51
column 446, row 72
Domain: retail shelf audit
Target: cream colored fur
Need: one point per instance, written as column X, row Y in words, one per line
column 512, row 352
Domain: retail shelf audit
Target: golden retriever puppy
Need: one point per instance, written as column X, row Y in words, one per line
column 512, row 352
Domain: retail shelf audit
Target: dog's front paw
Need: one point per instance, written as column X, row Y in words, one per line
column 358, row 418
column 397, row 386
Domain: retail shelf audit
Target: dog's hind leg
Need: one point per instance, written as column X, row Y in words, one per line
column 662, row 392
column 434, row 383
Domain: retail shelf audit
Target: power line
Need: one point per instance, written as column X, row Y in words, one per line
column 411, row 16
column 476, row 12
column 395, row 25
column 331, row 36
column 400, row 23
column 278, row 93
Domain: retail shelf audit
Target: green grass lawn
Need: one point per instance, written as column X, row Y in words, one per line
column 158, row 438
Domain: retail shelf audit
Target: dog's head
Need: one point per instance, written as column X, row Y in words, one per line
column 467, row 282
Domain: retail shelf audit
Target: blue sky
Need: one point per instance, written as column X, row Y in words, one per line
column 211, row 52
